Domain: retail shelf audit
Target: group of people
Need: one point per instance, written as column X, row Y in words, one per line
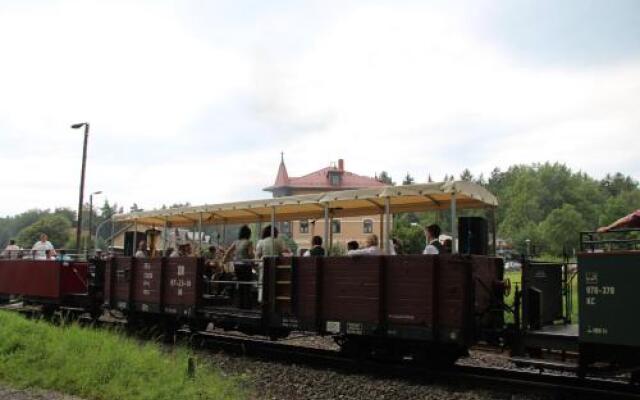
column 41, row 250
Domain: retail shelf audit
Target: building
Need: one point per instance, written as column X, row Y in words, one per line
column 331, row 178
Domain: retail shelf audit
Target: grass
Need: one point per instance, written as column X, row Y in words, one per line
column 101, row 364
column 515, row 276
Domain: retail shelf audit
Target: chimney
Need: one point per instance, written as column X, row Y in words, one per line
column 341, row 165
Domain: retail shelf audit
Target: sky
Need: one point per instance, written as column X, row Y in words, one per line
column 193, row 101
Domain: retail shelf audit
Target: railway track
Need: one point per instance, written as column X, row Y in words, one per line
column 491, row 378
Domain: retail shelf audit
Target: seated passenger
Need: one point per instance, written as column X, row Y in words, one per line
column 395, row 247
column 242, row 252
column 142, row 251
column 171, row 252
column 370, row 249
column 271, row 246
column 43, row 249
column 432, row 232
column 316, row 250
column 352, row 245
column 12, row 250
column 447, row 246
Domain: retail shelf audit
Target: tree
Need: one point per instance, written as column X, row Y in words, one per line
column 56, row 227
column 560, row 230
column 466, row 175
column 385, row 178
column 135, row 208
column 411, row 238
column 408, row 180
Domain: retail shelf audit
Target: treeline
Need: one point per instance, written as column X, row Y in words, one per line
column 545, row 203
column 548, row 204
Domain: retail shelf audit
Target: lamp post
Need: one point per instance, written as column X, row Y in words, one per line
column 84, row 162
column 86, row 246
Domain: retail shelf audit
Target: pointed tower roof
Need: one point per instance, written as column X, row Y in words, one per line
column 282, row 179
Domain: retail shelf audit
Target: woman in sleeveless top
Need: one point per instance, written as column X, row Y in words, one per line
column 242, row 252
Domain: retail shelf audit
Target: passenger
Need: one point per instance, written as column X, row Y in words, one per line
column 242, row 253
column 271, row 246
column 171, row 252
column 316, row 250
column 142, row 251
column 352, row 245
column 241, row 249
column 43, row 249
column 395, row 247
column 12, row 250
column 371, row 248
column 434, row 246
column 447, row 246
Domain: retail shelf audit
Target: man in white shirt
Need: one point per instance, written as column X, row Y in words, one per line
column 371, row 248
column 43, row 249
column 12, row 250
column 432, row 232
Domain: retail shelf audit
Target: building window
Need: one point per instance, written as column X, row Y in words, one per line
column 285, row 227
column 334, row 179
column 335, row 226
column 367, row 226
column 304, row 226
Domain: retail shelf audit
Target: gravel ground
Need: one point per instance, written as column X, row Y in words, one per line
column 16, row 394
column 273, row 380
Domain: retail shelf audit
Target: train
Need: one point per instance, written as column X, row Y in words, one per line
column 426, row 309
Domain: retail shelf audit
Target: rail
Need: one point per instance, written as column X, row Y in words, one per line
column 614, row 240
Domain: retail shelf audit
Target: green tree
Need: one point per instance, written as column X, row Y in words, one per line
column 385, row 178
column 411, row 238
column 408, row 180
column 56, row 227
column 560, row 230
column 466, row 175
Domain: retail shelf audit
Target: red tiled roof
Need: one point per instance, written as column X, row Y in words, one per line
column 320, row 180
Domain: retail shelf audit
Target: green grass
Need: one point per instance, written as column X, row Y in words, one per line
column 101, row 364
column 515, row 276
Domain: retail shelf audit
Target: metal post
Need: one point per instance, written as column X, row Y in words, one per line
column 135, row 237
column 493, row 230
column 82, row 174
column 273, row 227
column 387, row 225
column 325, row 238
column 200, row 234
column 86, row 246
column 164, row 236
column 113, row 230
column 454, row 225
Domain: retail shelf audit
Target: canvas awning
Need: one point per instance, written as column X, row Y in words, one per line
column 418, row 197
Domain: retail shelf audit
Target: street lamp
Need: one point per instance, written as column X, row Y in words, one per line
column 84, row 162
column 90, row 219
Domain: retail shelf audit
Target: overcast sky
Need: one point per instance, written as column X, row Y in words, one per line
column 195, row 100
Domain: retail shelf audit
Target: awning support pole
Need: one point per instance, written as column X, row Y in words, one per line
column 273, row 228
column 387, row 225
column 325, row 239
column 493, row 230
column 200, row 234
column 454, row 225
column 113, row 227
column 135, row 237
column 164, row 237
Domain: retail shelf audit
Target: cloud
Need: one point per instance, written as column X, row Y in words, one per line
column 408, row 88
column 194, row 102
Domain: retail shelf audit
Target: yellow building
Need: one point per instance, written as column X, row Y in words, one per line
column 331, row 178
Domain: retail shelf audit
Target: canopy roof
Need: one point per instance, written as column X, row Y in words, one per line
column 360, row 202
